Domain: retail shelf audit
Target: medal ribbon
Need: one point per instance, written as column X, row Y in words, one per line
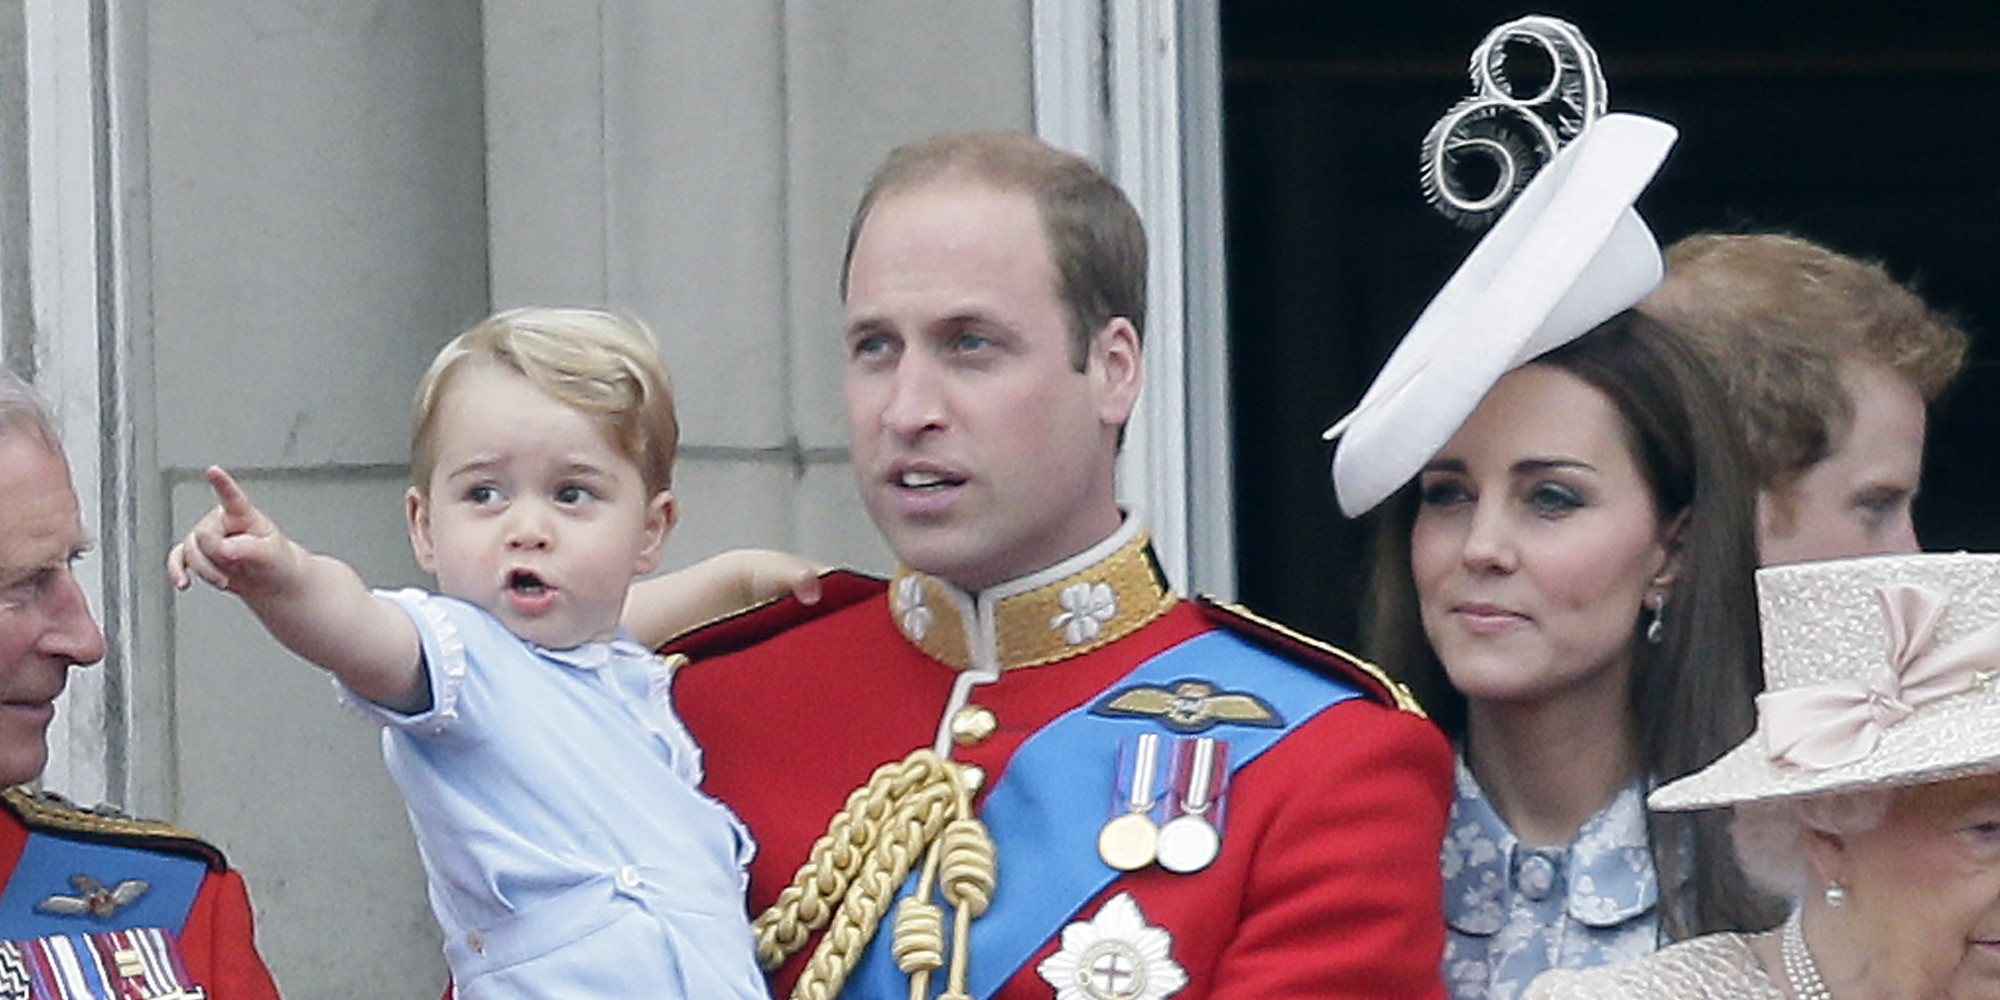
column 1037, row 824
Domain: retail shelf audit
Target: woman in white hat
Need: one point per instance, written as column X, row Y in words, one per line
column 1566, row 587
column 1870, row 791
column 1564, row 577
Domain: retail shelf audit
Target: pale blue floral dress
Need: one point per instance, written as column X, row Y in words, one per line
column 1513, row 910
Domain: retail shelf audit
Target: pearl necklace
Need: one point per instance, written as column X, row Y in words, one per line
column 1799, row 966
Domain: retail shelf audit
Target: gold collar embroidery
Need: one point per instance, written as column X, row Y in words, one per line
column 1083, row 603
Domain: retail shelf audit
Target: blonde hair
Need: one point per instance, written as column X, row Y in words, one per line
column 601, row 363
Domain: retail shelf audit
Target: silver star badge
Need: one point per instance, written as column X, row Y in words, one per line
column 1114, row 955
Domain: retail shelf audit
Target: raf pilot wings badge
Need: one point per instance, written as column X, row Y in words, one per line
column 94, row 897
column 1188, row 706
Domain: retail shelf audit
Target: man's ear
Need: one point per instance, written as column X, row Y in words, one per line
column 417, row 516
column 662, row 513
column 1117, row 367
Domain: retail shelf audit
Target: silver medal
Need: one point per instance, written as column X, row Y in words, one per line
column 1190, row 842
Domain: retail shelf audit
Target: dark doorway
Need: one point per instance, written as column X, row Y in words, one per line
column 1869, row 128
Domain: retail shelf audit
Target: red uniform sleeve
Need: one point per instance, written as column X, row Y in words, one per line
column 219, row 942
column 1343, row 897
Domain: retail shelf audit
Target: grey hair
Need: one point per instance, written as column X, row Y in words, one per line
column 1770, row 836
column 21, row 410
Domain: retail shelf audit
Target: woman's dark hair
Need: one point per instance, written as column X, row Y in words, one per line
column 1693, row 692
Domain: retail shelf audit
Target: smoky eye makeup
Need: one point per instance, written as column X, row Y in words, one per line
column 1555, row 498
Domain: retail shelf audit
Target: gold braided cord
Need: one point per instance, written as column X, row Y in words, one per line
column 918, row 807
column 966, row 874
column 807, row 904
column 966, row 879
column 860, row 912
column 919, row 936
column 919, row 941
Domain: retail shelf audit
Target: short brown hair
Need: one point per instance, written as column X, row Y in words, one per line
column 601, row 363
column 1095, row 238
column 1777, row 316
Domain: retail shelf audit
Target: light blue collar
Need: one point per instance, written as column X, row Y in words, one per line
column 1606, row 872
column 596, row 654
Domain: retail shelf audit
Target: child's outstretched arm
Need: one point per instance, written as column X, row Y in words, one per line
column 316, row 605
column 664, row 606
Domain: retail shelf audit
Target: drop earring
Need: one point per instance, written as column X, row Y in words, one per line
column 1656, row 627
column 1836, row 895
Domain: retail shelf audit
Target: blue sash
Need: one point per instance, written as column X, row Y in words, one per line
column 48, row 863
column 1046, row 809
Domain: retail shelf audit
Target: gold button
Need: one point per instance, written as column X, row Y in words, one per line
column 971, row 725
column 973, row 776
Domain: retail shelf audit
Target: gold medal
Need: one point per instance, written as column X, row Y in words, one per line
column 1127, row 841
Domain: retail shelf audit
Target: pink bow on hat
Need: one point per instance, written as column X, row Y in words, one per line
column 1826, row 725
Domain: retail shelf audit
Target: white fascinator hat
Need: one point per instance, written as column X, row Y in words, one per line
column 1879, row 671
column 1568, row 253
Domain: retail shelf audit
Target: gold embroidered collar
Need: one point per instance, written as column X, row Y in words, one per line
column 1087, row 601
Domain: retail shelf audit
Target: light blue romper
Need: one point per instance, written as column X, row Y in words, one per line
column 553, row 794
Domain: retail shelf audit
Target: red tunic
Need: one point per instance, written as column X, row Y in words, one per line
column 1327, row 883
column 218, row 943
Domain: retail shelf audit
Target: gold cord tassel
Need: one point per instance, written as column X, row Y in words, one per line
column 854, row 870
column 807, row 904
column 966, row 881
column 919, row 938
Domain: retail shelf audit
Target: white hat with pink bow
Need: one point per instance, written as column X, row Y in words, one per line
column 1879, row 671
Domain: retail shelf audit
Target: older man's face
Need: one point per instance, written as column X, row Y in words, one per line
column 45, row 624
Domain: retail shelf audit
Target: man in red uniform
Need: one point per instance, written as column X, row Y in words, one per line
column 1038, row 772
column 92, row 901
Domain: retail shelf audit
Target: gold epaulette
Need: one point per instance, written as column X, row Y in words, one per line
column 51, row 813
column 1372, row 678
